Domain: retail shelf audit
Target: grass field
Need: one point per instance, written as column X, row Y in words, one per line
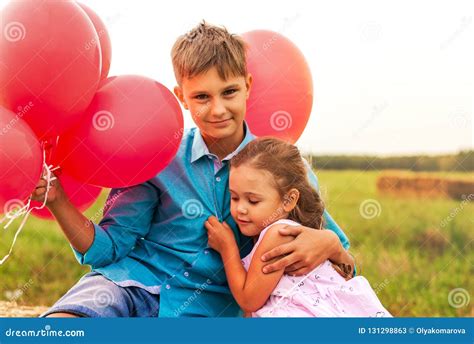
column 416, row 253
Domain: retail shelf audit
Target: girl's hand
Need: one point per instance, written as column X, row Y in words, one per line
column 220, row 235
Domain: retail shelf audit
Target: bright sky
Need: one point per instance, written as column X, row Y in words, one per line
column 389, row 77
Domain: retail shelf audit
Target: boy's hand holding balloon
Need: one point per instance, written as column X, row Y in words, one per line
column 55, row 192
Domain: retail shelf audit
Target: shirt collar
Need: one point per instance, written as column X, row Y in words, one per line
column 199, row 148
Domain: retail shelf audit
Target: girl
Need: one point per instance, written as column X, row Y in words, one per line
column 269, row 190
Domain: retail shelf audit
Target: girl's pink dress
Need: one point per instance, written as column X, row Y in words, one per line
column 321, row 293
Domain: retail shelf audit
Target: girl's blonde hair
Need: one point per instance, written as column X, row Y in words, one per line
column 284, row 162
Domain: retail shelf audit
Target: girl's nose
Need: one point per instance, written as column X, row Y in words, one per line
column 242, row 210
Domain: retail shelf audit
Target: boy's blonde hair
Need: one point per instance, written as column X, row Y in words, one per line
column 208, row 46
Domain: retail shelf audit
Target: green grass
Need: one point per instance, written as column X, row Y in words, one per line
column 414, row 253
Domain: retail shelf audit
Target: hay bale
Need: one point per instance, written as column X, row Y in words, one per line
column 461, row 189
column 425, row 185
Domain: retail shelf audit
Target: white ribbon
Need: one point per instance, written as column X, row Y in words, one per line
column 27, row 209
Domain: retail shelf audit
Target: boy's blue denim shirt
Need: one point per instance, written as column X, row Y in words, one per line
column 152, row 235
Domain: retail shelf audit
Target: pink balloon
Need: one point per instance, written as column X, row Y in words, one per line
column 48, row 69
column 104, row 40
column 282, row 92
column 21, row 161
column 130, row 132
column 79, row 194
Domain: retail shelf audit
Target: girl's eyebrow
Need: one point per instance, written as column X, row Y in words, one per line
column 247, row 193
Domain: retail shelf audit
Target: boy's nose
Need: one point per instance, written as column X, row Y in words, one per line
column 217, row 108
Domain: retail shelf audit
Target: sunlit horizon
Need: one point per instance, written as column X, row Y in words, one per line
column 390, row 79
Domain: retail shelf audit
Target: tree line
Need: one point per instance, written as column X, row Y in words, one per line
column 460, row 162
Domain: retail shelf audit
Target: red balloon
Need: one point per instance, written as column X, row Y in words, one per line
column 21, row 161
column 130, row 132
column 48, row 70
column 282, row 91
column 79, row 194
column 104, row 40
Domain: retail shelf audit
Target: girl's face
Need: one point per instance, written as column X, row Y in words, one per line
column 255, row 202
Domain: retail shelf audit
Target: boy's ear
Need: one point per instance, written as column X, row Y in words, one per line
column 179, row 94
column 248, row 84
column 291, row 199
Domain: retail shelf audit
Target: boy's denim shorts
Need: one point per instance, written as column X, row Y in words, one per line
column 96, row 296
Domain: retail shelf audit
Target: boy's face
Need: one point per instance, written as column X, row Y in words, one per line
column 217, row 106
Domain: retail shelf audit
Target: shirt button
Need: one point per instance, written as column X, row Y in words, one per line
column 218, row 179
column 206, row 252
column 168, row 286
column 186, row 273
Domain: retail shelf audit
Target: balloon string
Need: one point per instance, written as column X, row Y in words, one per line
column 26, row 210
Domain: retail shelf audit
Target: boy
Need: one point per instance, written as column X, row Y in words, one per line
column 149, row 254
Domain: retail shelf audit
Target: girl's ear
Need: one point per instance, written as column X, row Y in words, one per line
column 291, row 199
column 179, row 94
